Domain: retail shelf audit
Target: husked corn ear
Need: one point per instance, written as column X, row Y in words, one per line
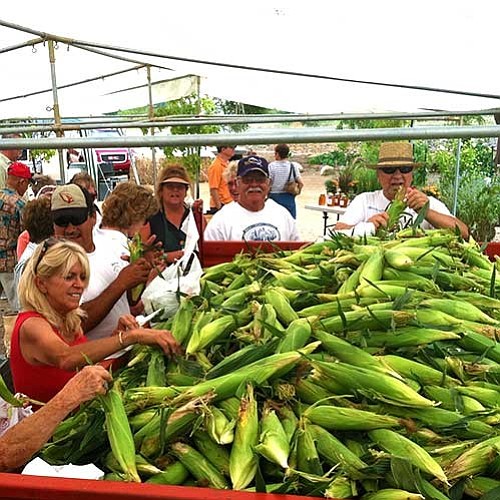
column 400, row 446
column 273, row 442
column 175, row 473
column 348, row 419
column 475, row 460
column 382, row 386
column 119, row 434
column 335, row 452
column 242, row 460
column 392, row 494
column 205, row 473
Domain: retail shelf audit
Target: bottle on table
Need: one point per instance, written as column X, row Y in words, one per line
column 322, row 199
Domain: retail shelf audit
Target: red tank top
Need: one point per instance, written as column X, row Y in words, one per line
column 40, row 382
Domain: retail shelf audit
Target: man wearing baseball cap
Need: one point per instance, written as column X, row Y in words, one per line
column 11, row 206
column 253, row 217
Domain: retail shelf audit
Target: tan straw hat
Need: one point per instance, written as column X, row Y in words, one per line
column 395, row 154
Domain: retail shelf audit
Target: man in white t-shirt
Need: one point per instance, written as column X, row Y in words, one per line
column 253, row 217
column 367, row 212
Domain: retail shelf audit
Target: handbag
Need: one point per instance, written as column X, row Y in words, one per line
column 292, row 186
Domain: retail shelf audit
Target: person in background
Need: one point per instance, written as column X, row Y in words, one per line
column 282, row 171
column 253, row 217
column 73, row 212
column 37, row 219
column 42, row 186
column 19, row 443
column 48, row 344
column 84, row 180
column 8, row 156
column 231, row 179
column 170, row 223
column 368, row 211
column 219, row 192
column 11, row 207
column 125, row 212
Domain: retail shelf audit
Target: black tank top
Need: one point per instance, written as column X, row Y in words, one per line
column 172, row 238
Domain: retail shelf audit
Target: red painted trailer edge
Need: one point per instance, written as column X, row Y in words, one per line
column 17, row 486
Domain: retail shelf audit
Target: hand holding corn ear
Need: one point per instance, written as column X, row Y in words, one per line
column 136, row 249
column 396, row 209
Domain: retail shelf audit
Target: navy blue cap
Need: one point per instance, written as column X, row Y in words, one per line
column 252, row 163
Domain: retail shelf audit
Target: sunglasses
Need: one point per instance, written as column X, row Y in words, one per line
column 391, row 170
column 49, row 242
column 64, row 220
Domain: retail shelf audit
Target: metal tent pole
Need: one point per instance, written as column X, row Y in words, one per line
column 151, row 115
column 57, row 116
column 456, row 184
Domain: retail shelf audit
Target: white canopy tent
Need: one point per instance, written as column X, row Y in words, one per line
column 441, row 45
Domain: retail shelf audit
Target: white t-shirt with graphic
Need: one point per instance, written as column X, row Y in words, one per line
column 366, row 205
column 235, row 223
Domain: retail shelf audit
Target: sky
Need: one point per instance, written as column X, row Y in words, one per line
column 445, row 44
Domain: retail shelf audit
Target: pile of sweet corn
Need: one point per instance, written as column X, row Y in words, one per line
column 349, row 369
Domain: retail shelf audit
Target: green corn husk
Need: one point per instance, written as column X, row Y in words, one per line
column 452, row 400
column 209, row 333
column 305, row 448
column 218, row 426
column 119, row 434
column 400, row 446
column 296, row 335
column 341, row 487
column 183, row 320
column 199, row 467
column 242, row 460
column 273, row 442
column 475, row 460
column 348, row 419
column 143, row 466
column 309, row 392
column 286, row 314
column 395, row 210
column 230, row 407
column 136, row 249
column 174, row 474
column 459, row 309
column 215, row 453
column 335, row 452
column 8, row 397
column 408, row 336
column 156, row 369
column 378, row 384
column 392, row 494
column 478, row 486
column 288, row 420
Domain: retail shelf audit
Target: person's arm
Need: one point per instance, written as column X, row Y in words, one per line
column 41, row 346
column 354, row 223
column 416, row 200
column 214, row 193
column 99, row 307
column 22, row 441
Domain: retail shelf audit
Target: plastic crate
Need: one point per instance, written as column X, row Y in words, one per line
column 15, row 486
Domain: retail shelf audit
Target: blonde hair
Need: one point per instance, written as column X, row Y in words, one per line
column 52, row 257
column 231, row 170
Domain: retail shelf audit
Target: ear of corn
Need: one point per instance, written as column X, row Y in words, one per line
column 119, row 434
column 392, row 494
column 341, row 487
column 209, row 333
column 173, row 474
column 380, row 385
column 242, row 460
column 402, row 447
column 373, row 268
column 348, row 419
column 307, row 455
column 288, row 420
column 478, row 486
column 156, row 369
column 215, row 453
column 218, row 426
column 199, row 467
column 273, row 442
column 285, row 312
column 295, row 336
column 335, row 452
column 136, row 249
column 183, row 320
column 459, row 309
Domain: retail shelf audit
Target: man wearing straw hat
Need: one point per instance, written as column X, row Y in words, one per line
column 367, row 212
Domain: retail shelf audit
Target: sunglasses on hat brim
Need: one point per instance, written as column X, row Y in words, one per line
column 391, row 170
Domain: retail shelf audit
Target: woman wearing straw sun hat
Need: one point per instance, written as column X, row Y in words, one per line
column 367, row 212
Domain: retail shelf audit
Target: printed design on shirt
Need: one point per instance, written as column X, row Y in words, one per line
column 261, row 231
